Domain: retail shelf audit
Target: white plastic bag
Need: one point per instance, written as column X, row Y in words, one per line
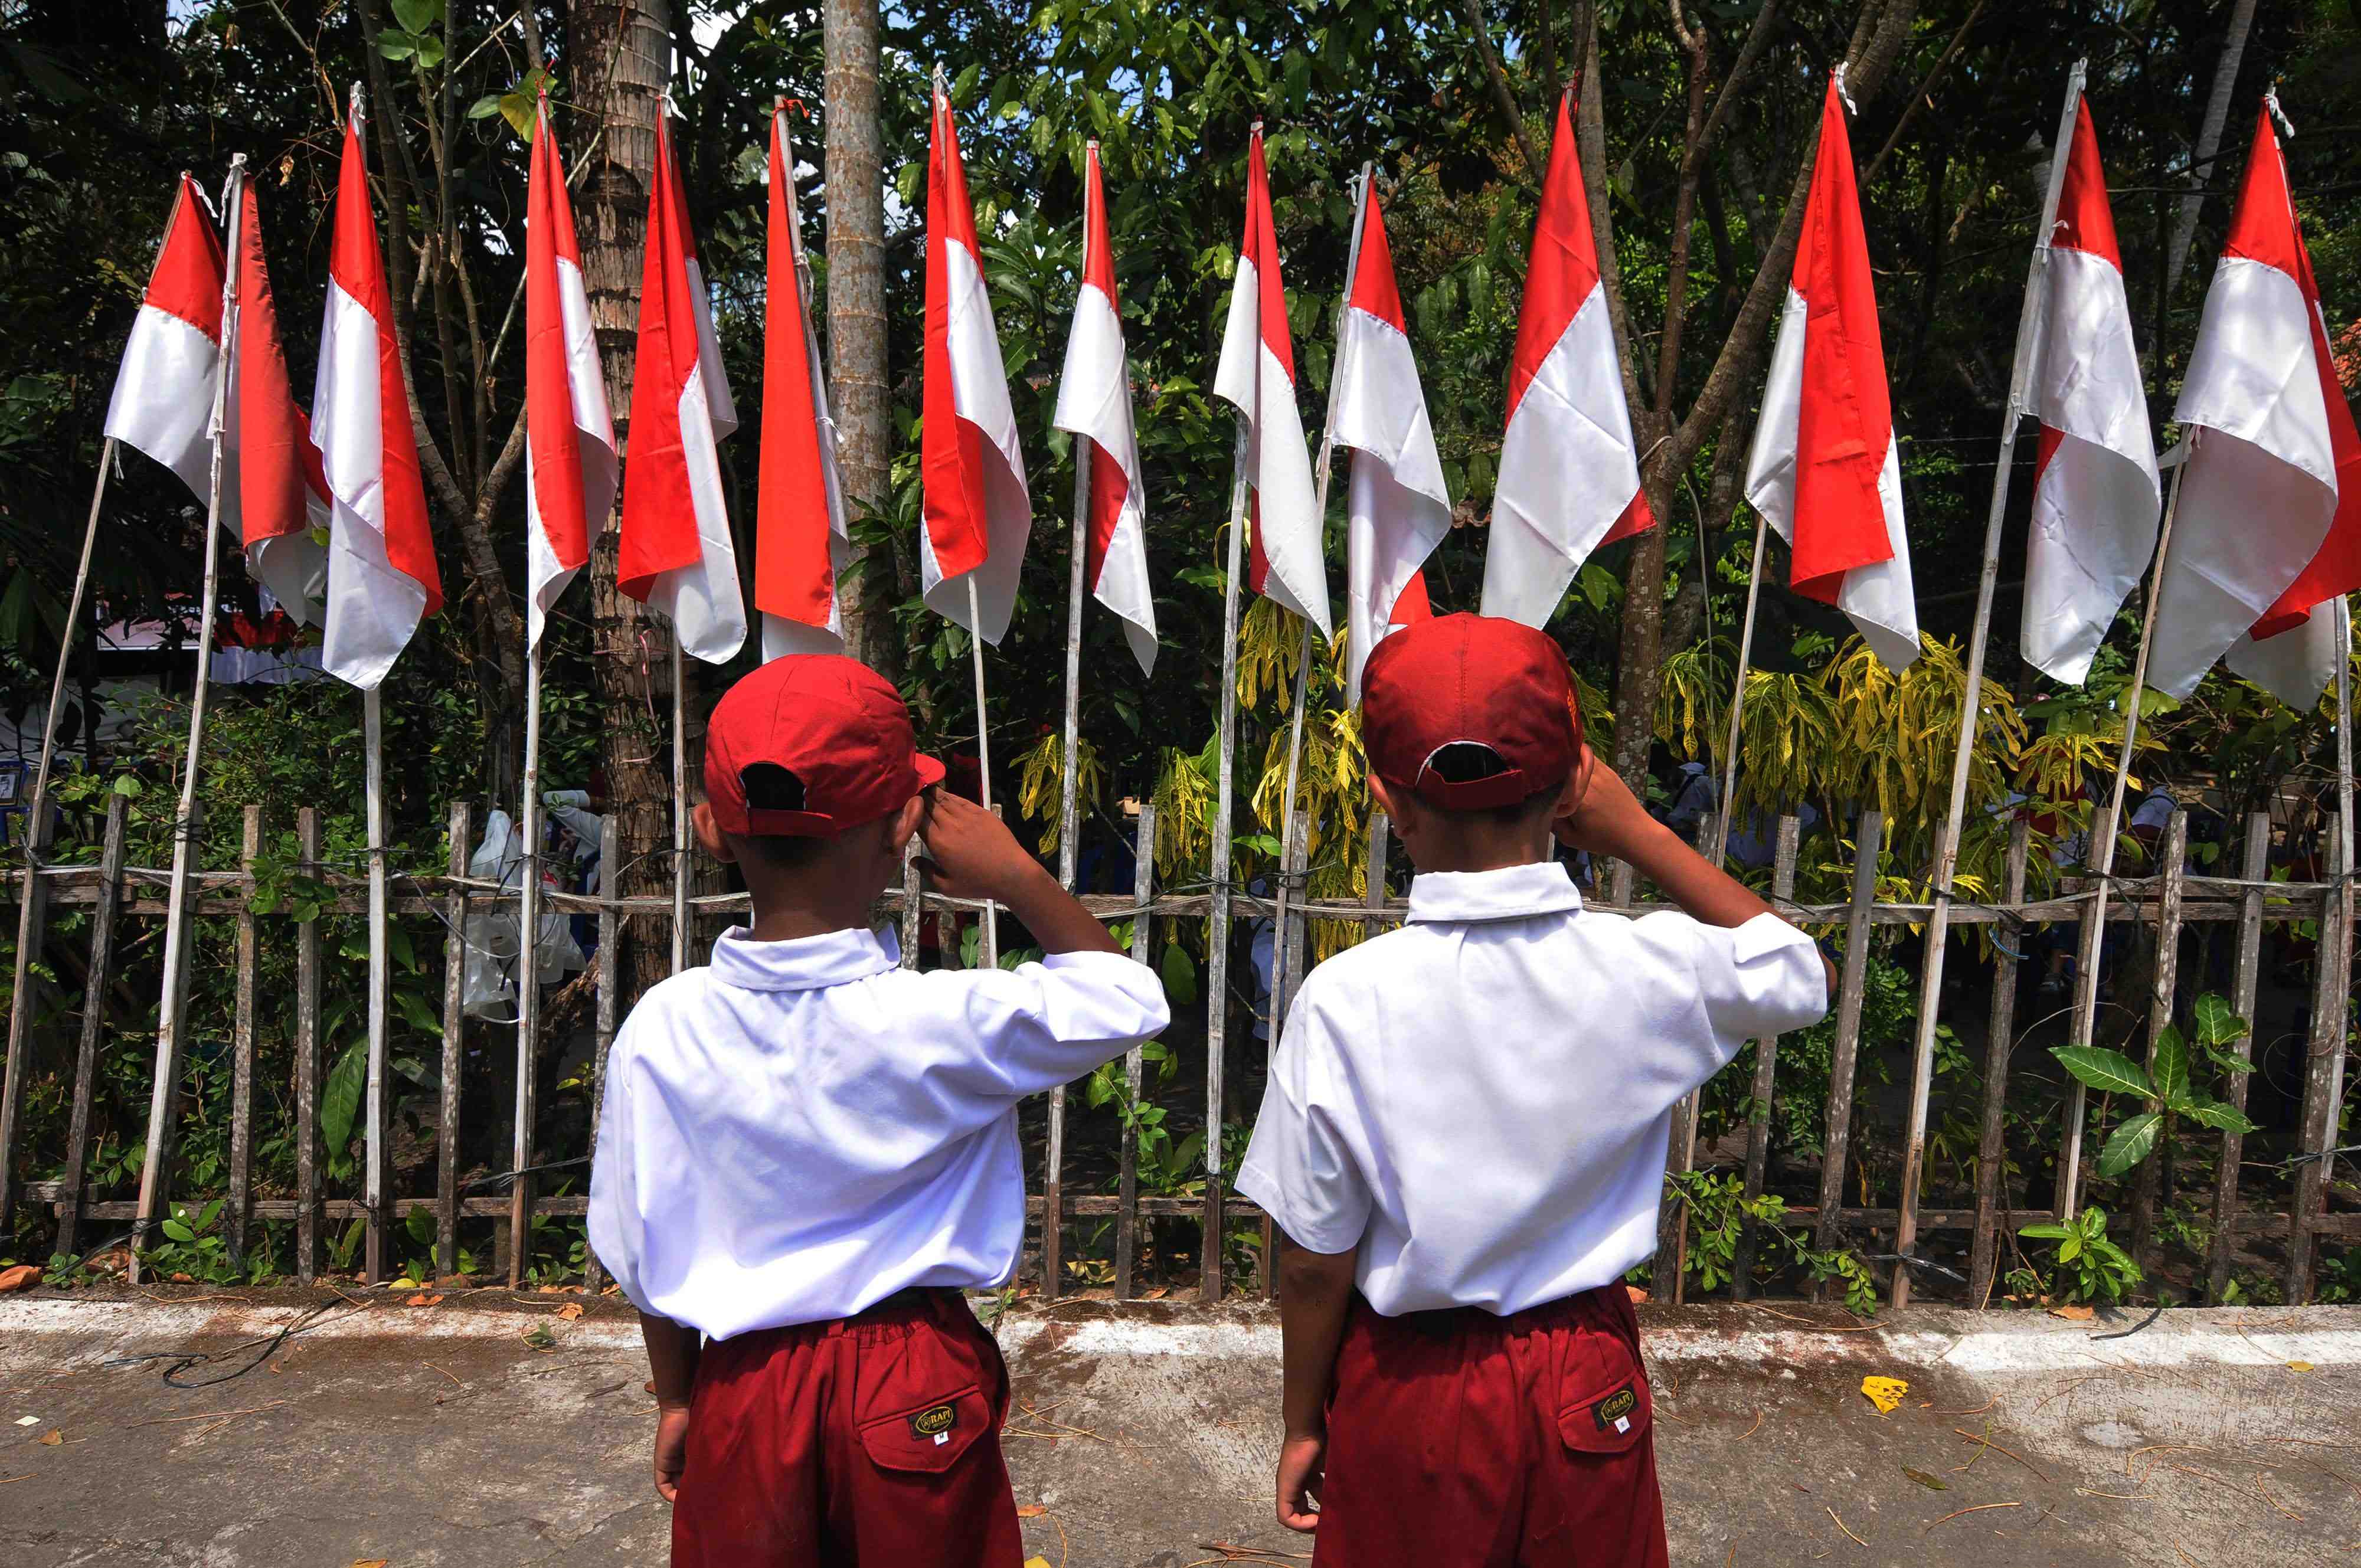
column 488, row 986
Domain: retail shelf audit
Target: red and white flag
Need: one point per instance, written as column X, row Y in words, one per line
column 569, row 438
column 979, row 514
column 1398, row 508
column 381, row 574
column 274, row 492
column 1094, row 403
column 675, row 554
column 2267, row 539
column 2096, row 500
column 800, row 542
column 1825, row 470
column 163, row 400
column 1569, row 477
column 1256, row 374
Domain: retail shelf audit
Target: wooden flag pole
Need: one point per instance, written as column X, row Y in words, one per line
column 30, row 907
column 990, row 953
column 1287, row 869
column 2030, row 317
column 172, row 1012
column 373, row 1188
column 527, row 975
column 680, row 806
column 1069, row 789
column 1218, row 871
column 2104, row 829
column 1720, row 841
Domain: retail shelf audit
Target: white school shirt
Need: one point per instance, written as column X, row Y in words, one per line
column 804, row 1128
column 1481, row 1099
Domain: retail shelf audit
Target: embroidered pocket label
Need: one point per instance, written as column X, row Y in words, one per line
column 934, row 1424
column 1614, row 1412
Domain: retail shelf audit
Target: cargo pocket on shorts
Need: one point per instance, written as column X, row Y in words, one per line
column 928, row 1437
column 1611, row 1409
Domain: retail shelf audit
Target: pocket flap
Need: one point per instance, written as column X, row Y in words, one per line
column 928, row 1437
column 1612, row 1419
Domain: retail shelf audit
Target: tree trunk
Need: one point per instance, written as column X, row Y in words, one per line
column 2209, row 139
column 854, row 173
column 631, row 650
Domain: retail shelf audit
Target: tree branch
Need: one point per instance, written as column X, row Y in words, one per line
column 1482, row 31
column 1918, row 94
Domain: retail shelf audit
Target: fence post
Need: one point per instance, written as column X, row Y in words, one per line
column 913, row 900
column 1286, row 954
column 455, row 1030
column 1680, row 1153
column 2324, row 1077
column 2000, row 1032
column 32, row 935
column 1373, row 889
column 610, row 852
column 1766, row 1068
column 1126, row 1218
column 93, row 1022
column 241, row 1115
column 2245, row 980
column 308, row 1217
column 171, row 1027
column 1836, row 1136
column 2089, row 955
column 2148, row 1183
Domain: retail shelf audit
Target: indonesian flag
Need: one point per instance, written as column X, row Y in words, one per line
column 2094, row 503
column 1824, row 471
column 674, row 549
column 2268, row 537
column 569, row 439
column 381, row 574
column 979, row 514
column 163, row 400
column 1094, row 403
column 800, row 542
column 1398, row 508
column 1257, row 375
column 274, row 492
column 1569, row 476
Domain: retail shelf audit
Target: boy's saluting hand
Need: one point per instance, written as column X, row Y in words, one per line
column 971, row 854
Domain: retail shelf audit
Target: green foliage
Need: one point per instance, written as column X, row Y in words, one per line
column 2164, row 1087
column 2087, row 1265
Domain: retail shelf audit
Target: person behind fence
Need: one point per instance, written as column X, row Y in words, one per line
column 807, row 1153
column 1462, row 1140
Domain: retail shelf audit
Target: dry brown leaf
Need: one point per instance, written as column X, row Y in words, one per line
column 24, row 1277
column 1031, row 1511
column 2073, row 1313
column 53, row 1438
column 571, row 1311
column 1156, row 1295
column 1639, row 1297
column 369, row 1562
column 423, row 1300
column 2292, row 1366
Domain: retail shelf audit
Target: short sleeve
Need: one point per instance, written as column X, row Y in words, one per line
column 1299, row 1166
column 1760, row 979
column 1044, row 1024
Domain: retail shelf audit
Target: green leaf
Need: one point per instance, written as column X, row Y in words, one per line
column 2045, row 1231
column 2130, row 1143
column 484, row 107
column 2109, row 1071
column 417, row 16
column 2167, row 1067
column 519, row 110
column 2216, row 1023
column 1180, row 972
column 430, row 50
column 178, row 1232
column 395, row 44
column 2070, row 1249
column 340, row 1099
column 2222, row 1118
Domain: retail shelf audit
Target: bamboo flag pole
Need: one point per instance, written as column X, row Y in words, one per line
column 1069, row 789
column 1279, row 975
column 1217, row 934
column 2030, row 317
column 171, row 1011
column 375, row 1154
column 1738, row 699
column 991, row 954
column 37, row 843
column 2105, row 828
column 679, row 807
column 528, row 973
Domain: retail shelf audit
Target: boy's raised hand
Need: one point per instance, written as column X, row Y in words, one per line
column 1607, row 818
column 971, row 854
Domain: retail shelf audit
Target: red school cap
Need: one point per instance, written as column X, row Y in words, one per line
column 835, row 725
column 1470, row 680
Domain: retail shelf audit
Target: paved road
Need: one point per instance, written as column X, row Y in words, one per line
column 447, row 1435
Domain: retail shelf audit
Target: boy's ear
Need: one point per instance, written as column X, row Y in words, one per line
column 900, row 825
column 700, row 817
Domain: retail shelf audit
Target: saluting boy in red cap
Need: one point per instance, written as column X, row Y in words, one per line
column 1463, row 1133
column 808, row 1152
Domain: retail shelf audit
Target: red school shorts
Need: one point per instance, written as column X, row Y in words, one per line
column 871, row 1441
column 1462, row 1440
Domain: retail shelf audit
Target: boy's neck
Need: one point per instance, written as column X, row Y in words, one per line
column 817, row 902
column 1485, row 848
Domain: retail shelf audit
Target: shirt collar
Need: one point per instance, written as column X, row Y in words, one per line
column 806, row 963
column 1512, row 892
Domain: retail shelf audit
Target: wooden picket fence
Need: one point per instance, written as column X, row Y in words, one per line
column 2169, row 901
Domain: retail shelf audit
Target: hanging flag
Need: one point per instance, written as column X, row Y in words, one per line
column 1824, row 471
column 979, row 514
column 2266, row 538
column 800, row 542
column 675, row 554
column 2096, row 497
column 381, row 574
column 569, row 438
column 1256, row 374
column 163, row 400
column 1398, row 508
column 1569, row 476
column 1094, row 403
column 274, row 493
